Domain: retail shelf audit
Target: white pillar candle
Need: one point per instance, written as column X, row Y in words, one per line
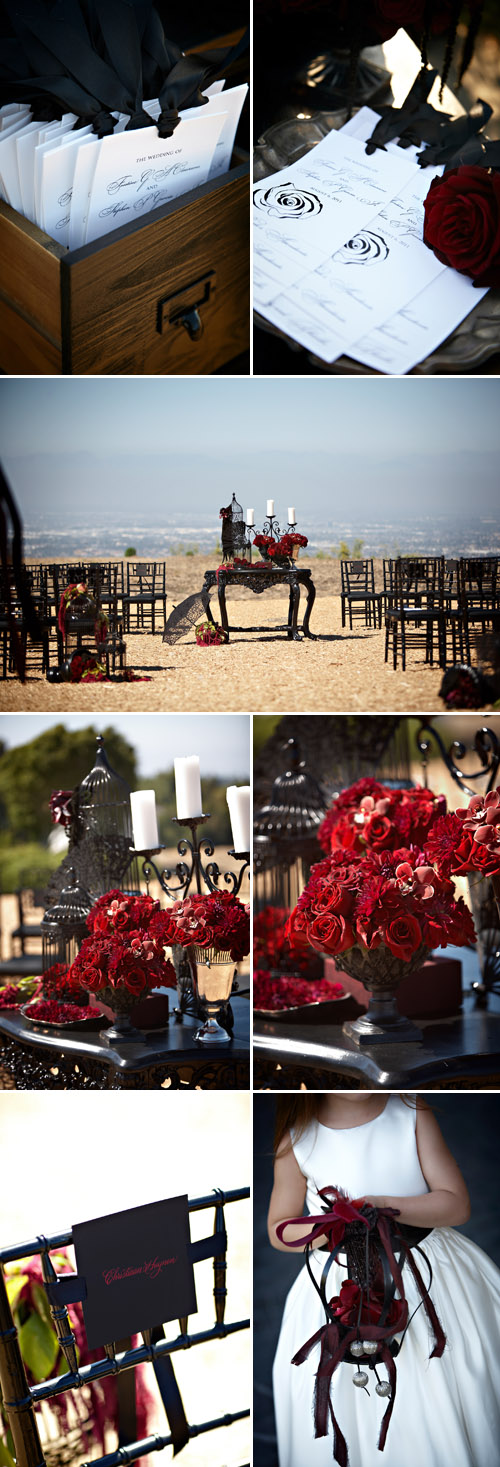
column 270, row 506
column 238, row 799
column 291, row 517
column 188, row 787
column 250, row 517
column 144, row 823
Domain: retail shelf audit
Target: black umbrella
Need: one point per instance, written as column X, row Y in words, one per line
column 184, row 617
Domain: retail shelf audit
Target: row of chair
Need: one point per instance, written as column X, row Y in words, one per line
column 433, row 598
column 130, row 589
column 132, row 596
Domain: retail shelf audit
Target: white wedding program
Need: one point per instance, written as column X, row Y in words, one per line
column 340, row 264
column 78, row 188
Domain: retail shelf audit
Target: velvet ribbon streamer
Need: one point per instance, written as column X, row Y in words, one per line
column 97, row 57
column 335, row 1337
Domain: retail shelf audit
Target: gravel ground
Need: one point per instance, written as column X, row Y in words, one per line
column 258, row 670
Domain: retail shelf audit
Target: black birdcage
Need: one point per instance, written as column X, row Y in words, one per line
column 285, row 848
column 64, row 924
column 233, row 530
column 105, row 824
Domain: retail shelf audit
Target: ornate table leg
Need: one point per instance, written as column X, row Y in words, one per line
column 221, row 591
column 293, row 631
column 205, row 596
column 311, row 597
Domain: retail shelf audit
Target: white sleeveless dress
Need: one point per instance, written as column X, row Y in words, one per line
column 446, row 1411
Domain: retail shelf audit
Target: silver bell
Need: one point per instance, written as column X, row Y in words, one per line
column 357, row 1349
column 383, row 1388
column 369, row 1347
column 360, row 1378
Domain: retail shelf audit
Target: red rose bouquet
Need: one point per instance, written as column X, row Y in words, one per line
column 217, row 920
column 372, row 816
column 121, row 960
column 394, row 901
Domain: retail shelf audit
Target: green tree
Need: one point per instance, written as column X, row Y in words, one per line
column 357, row 549
column 57, row 759
column 344, row 552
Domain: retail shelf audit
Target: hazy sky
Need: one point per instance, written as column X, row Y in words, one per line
column 378, row 449
column 221, row 740
column 161, row 414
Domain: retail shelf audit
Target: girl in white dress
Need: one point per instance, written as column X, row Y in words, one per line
column 446, row 1410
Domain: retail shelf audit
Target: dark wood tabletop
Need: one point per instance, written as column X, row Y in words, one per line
column 40, row 1059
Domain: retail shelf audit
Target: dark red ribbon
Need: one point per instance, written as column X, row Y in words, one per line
column 335, row 1338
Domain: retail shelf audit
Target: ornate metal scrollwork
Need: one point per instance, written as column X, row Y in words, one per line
column 485, row 745
column 201, row 868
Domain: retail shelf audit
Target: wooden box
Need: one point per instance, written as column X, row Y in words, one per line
column 118, row 306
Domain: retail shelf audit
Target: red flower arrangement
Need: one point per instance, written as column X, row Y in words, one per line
column 122, row 956
column 85, row 668
column 218, row 920
column 279, row 549
column 285, row 545
column 271, row 944
column 11, row 996
column 288, row 993
column 209, row 635
column 78, row 596
column 468, row 840
column 50, row 1011
column 372, row 816
column 392, row 899
column 55, row 981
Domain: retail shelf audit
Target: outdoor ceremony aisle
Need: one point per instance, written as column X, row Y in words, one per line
column 341, row 671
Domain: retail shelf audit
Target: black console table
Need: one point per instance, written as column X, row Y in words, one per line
column 462, row 1052
column 41, row 1060
column 260, row 580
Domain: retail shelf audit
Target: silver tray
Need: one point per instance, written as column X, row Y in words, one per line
column 475, row 340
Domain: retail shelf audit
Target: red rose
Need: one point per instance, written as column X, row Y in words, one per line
column 462, row 222
column 403, row 936
column 378, row 831
column 485, row 859
column 134, row 980
column 465, row 855
column 330, row 934
column 94, row 979
column 332, row 898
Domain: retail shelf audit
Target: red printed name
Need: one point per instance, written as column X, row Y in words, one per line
column 152, row 1269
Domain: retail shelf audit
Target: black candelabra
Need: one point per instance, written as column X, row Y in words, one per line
column 196, row 864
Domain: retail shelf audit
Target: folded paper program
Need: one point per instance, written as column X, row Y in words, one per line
column 351, row 274
column 78, row 187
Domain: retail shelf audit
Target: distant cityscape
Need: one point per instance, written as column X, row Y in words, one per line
column 45, row 538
